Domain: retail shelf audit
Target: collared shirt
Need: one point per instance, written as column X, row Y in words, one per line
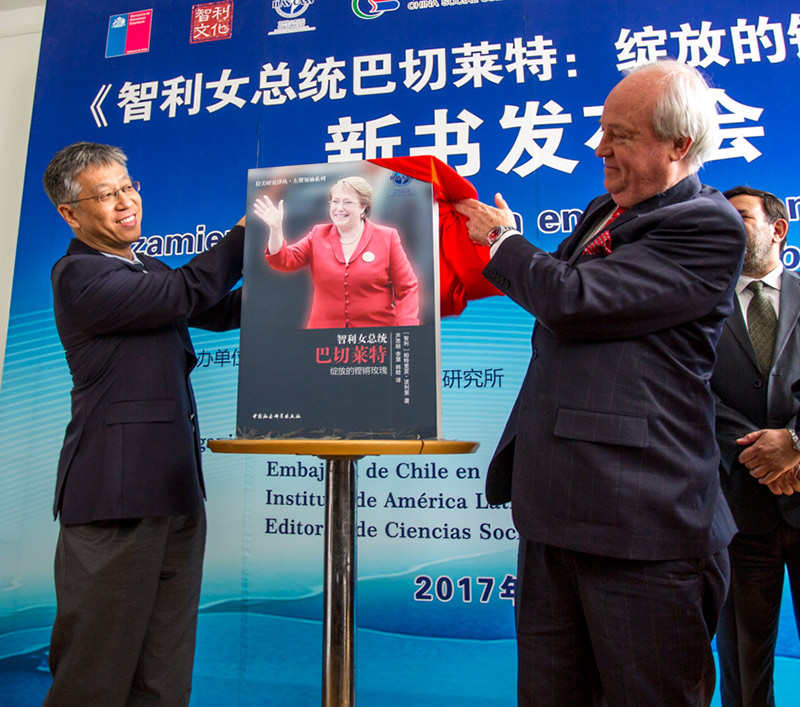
column 602, row 224
column 135, row 260
column 772, row 289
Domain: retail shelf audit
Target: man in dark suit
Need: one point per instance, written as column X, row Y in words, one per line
column 758, row 359
column 129, row 489
column 609, row 457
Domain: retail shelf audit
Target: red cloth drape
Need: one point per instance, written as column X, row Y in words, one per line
column 460, row 259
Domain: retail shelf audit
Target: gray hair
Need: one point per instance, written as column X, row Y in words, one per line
column 361, row 187
column 61, row 174
column 685, row 108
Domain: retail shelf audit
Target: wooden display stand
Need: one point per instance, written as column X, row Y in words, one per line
column 340, row 455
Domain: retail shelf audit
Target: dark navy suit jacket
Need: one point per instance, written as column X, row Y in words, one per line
column 131, row 448
column 747, row 401
column 610, row 445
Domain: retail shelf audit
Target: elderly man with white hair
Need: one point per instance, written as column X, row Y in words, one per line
column 609, row 457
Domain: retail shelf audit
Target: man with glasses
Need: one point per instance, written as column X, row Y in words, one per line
column 129, row 489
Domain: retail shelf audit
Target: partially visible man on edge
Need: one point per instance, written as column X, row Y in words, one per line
column 609, row 457
column 130, row 489
column 758, row 359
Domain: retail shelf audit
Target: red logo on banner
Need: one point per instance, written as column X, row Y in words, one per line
column 212, row 21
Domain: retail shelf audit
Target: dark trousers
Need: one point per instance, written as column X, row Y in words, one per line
column 748, row 628
column 127, row 593
column 595, row 630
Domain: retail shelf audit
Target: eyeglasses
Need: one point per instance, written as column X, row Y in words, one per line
column 105, row 197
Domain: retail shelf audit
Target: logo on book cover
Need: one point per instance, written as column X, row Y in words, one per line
column 401, row 183
column 129, row 33
column 291, row 10
column 400, row 180
column 372, row 9
column 211, row 22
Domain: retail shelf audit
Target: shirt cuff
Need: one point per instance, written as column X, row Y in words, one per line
column 496, row 244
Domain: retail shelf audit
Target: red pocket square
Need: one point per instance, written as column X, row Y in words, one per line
column 599, row 245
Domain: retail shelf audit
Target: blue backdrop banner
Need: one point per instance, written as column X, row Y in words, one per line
column 508, row 92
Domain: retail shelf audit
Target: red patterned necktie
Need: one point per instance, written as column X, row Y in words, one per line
column 601, row 244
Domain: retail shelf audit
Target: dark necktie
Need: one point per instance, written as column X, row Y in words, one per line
column 763, row 324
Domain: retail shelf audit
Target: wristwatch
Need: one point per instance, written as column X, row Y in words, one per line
column 494, row 233
column 795, row 439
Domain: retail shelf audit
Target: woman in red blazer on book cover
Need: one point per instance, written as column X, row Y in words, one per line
column 361, row 274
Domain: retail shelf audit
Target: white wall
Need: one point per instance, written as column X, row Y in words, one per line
column 20, row 36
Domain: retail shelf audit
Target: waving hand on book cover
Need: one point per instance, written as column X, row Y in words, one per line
column 360, row 271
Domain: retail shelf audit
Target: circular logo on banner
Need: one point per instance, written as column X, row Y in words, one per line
column 291, row 8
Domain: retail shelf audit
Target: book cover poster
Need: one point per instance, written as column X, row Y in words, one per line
column 340, row 317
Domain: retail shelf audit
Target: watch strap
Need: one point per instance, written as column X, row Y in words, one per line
column 795, row 439
column 495, row 232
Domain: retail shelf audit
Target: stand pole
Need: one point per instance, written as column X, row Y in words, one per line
column 338, row 636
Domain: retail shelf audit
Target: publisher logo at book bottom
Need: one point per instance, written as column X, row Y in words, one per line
column 291, row 10
column 129, row 33
column 211, row 21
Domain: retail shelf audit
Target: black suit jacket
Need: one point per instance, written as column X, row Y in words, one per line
column 748, row 401
column 610, row 446
column 131, row 448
